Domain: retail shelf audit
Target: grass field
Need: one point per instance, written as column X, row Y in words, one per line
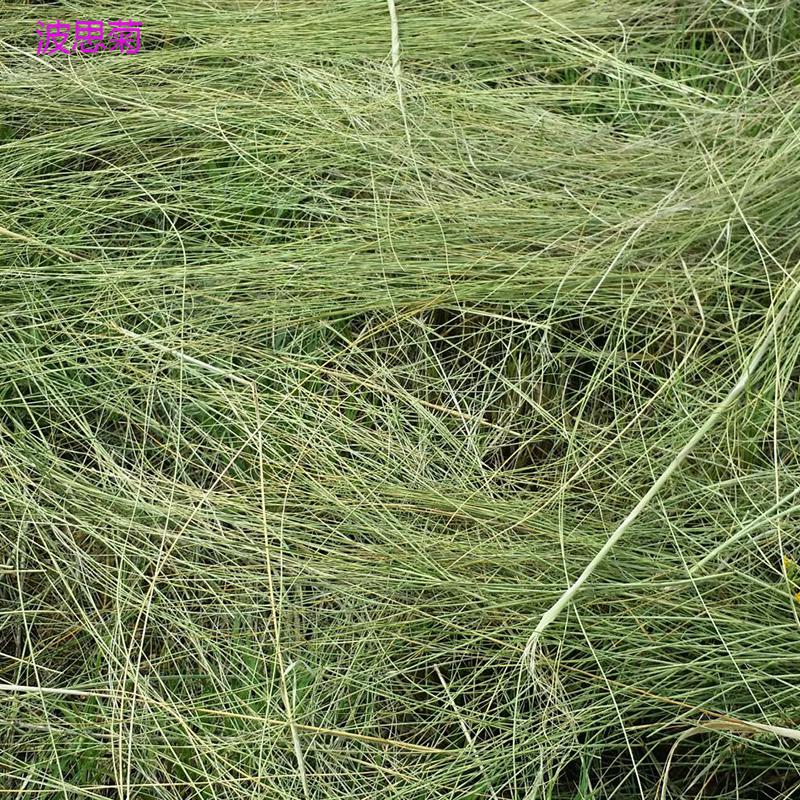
column 341, row 340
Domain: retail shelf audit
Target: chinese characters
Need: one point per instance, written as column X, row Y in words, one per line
column 89, row 36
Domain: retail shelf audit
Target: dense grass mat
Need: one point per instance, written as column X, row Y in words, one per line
column 332, row 350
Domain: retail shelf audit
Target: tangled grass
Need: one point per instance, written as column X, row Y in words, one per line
column 325, row 373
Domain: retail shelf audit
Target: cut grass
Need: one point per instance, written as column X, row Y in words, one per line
column 313, row 404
